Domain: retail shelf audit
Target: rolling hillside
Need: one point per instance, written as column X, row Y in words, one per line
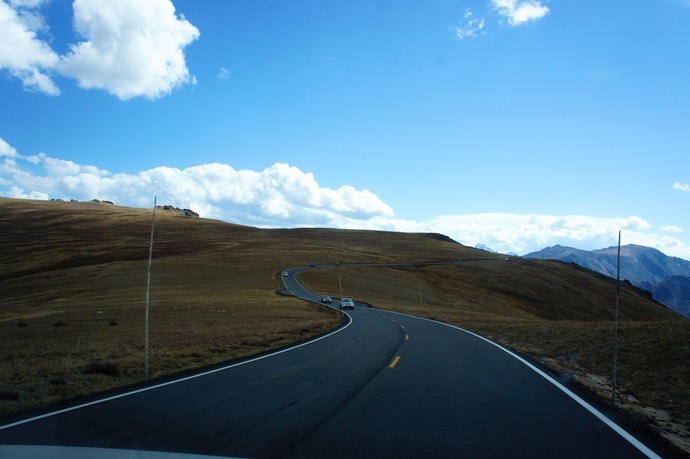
column 72, row 290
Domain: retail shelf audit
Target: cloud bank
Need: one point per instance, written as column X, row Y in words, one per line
column 129, row 48
column 284, row 196
column 280, row 195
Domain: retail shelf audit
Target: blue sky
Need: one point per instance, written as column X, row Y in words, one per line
column 511, row 123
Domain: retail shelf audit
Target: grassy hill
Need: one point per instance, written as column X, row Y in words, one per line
column 72, row 300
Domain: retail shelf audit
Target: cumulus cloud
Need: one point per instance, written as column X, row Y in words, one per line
column 280, row 195
column 681, row 186
column 518, row 12
column 285, row 196
column 22, row 52
column 132, row 48
column 129, row 48
column 7, row 150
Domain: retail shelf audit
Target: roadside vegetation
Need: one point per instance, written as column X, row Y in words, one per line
column 72, row 302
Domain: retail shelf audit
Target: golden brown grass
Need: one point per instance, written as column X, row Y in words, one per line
column 73, row 279
column 73, row 285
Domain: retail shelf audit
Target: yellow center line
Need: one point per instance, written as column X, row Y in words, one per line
column 394, row 362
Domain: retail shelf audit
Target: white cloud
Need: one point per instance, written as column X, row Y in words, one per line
column 18, row 193
column 280, row 195
column 285, row 196
column 681, row 186
column 472, row 28
column 22, row 53
column 223, row 73
column 132, row 48
column 523, row 233
column 7, row 150
column 28, row 3
column 671, row 229
column 518, row 12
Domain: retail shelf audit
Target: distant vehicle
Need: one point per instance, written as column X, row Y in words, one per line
column 285, row 274
column 347, row 303
column 326, row 299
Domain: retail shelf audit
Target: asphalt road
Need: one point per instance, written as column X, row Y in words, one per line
column 385, row 385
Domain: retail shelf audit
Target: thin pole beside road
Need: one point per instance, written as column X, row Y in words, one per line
column 148, row 293
column 615, row 324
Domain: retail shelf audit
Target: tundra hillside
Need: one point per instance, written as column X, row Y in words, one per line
column 72, row 299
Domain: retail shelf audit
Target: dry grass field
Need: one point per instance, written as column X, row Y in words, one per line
column 72, row 301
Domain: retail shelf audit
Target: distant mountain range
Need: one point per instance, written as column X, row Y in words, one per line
column 668, row 278
column 489, row 249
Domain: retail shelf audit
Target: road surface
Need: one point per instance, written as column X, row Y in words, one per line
column 384, row 385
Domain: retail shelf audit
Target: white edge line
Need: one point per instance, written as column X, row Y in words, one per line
column 631, row 439
column 168, row 383
column 602, row 417
column 598, row 414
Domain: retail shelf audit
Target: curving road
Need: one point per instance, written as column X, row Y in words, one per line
column 384, row 385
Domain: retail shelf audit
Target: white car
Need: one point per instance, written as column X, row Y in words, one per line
column 347, row 303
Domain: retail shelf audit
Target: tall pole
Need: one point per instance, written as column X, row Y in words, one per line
column 341, row 287
column 148, row 293
column 615, row 323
